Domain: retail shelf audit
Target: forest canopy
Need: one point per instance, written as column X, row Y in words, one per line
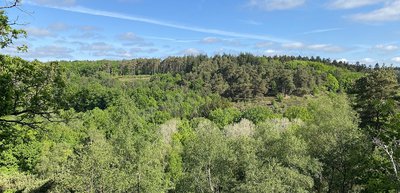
column 198, row 124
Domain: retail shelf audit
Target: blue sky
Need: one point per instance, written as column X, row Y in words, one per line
column 353, row 30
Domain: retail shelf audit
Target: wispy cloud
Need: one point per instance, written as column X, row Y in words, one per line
column 388, row 48
column 270, row 5
column 48, row 52
column 315, row 47
column 325, row 48
column 191, row 52
column 368, row 60
column 322, row 31
column 350, row 4
column 131, row 39
column 226, row 42
column 170, row 39
column 39, row 32
column 263, row 44
column 59, row 26
column 210, row 40
column 389, row 12
column 293, row 45
column 84, row 10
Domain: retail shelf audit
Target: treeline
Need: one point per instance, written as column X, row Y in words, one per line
column 185, row 64
column 239, row 77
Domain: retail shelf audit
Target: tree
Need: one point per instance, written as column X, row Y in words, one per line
column 223, row 117
column 376, row 99
column 206, row 161
column 334, row 139
column 258, row 114
column 27, row 90
column 7, row 33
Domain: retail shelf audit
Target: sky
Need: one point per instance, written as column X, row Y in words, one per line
column 367, row 31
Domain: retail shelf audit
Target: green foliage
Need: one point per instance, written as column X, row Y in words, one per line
column 258, row 114
column 21, row 182
column 335, row 140
column 206, row 161
column 280, row 97
column 239, row 78
column 8, row 34
column 28, row 89
column 375, row 95
column 332, row 83
column 297, row 112
column 178, row 126
column 376, row 100
column 223, row 117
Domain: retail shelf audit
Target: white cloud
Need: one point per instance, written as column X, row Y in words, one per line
column 350, row 4
column 97, row 46
column 49, row 52
column 396, row 59
column 163, row 23
column 315, row 47
column 123, row 53
column 38, row 32
column 325, row 48
column 276, row 4
column 389, row 12
column 210, row 40
column 263, row 44
column 270, row 51
column 387, row 47
column 368, row 60
column 130, row 39
column 226, row 42
column 343, row 60
column 191, row 52
column 129, row 36
column 293, row 45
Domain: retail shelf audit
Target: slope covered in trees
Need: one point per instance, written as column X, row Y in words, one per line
column 240, row 77
column 197, row 124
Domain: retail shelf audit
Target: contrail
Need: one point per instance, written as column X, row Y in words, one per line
column 322, row 31
column 84, row 10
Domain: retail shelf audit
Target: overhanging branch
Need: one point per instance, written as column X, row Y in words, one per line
column 14, row 4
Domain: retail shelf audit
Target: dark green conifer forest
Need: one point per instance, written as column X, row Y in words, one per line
column 223, row 123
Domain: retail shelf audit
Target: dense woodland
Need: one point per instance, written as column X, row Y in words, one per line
column 223, row 123
column 198, row 124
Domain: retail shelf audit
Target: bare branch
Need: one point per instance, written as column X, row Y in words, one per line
column 389, row 152
column 15, row 3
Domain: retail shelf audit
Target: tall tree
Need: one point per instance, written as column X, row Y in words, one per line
column 376, row 99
